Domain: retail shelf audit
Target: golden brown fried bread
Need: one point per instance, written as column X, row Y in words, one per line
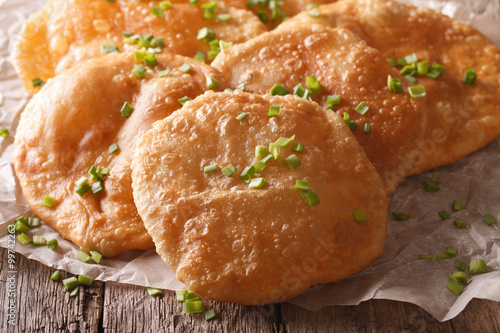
column 229, row 242
column 461, row 118
column 69, row 126
column 65, row 33
column 345, row 66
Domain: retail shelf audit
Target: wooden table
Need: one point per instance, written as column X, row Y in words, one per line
column 43, row 305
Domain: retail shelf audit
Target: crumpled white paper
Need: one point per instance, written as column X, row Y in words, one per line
column 396, row 275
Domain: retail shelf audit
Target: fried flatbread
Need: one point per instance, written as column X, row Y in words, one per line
column 345, row 66
column 461, row 118
column 69, row 126
column 65, row 33
column 229, row 242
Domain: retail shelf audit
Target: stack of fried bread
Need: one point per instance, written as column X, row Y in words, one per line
column 239, row 144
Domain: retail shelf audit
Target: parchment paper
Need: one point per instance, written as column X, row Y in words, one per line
column 396, row 275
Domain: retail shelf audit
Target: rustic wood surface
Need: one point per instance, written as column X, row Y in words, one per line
column 43, row 305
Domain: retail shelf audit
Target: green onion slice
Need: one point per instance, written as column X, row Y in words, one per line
column 401, row 216
column 275, row 150
column 455, row 286
column 313, row 10
column 301, row 185
column 313, row 85
column 444, row 214
column 274, row 110
column 20, row 227
column 417, row 91
column 411, row 79
column 113, row 148
column 95, row 256
column 460, row 223
column 460, row 265
column 242, row 86
column 310, row 197
column 229, row 170
column 33, row 222
column 210, row 314
column 4, row 132
column 247, row 174
column 70, row 282
column 200, row 56
column 210, row 168
column 260, row 151
column 457, row 205
column 391, row 62
column 431, row 186
column 83, row 257
column 185, row 68
column 478, row 266
column 412, row 58
column 23, row 239
column 126, row 110
column 362, row 109
column 139, row 71
column 426, row 256
column 292, row 161
column 224, row 17
column 39, row 240
column 359, row 215
column 183, row 100
column 47, row 201
column 192, row 307
column 423, row 67
column 267, row 159
column 85, row 280
column 279, row 90
column 242, row 116
column 298, row 147
column 469, row 76
column 37, row 82
column 212, row 83
column 52, row 244
column 150, row 60
column 97, row 187
column 489, row 219
column 74, row 292
column 368, row 128
column 451, row 251
column 55, row 276
column 257, row 183
column 164, row 73
column 157, row 11
column 154, row 292
column 259, row 166
column 443, row 256
column 223, row 45
column 109, row 49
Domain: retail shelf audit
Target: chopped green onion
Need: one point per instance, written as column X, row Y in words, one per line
column 279, row 90
column 391, row 62
column 301, row 185
column 401, row 62
column 207, row 34
column 95, row 256
column 417, row 91
column 242, row 116
column 200, row 56
column 214, row 49
column 180, row 294
column 212, row 83
column 423, row 67
column 164, row 73
column 150, row 60
column 70, row 283
column 83, row 257
column 165, row 5
column 460, row 223
column 298, row 147
column 313, row 85
column 368, row 128
column 229, row 170
column 157, row 11
column 33, row 222
column 247, row 174
column 460, row 265
column 331, row 101
column 401, row 216
column 274, row 110
column 426, row 256
column 362, row 109
column 457, row 205
column 20, row 227
column 52, row 244
column 126, row 33
column 262, row 14
column 185, row 68
column 37, row 82
column 460, row 277
column 444, row 214
column 22, row 218
column 411, row 79
column 208, row 10
column 210, row 168
column 259, row 166
column 310, row 197
column 313, row 10
column 183, row 100
column 455, row 286
column 275, row 150
column 433, row 75
column 469, row 76
column 283, row 142
column 74, row 292
column 435, row 71
column 97, row 187
column 113, row 148
column 431, row 186
column 139, row 71
column 55, row 276
column 39, row 240
column 443, row 256
column 267, row 159
column 409, row 69
column 412, row 58
column 82, row 186
column 359, row 215
column 478, row 266
column 4, row 132
column 298, row 90
column 194, row 2
column 210, row 314
column 242, row 86
column 351, row 123
column 47, row 201
column 292, row 161
column 192, row 307
column 451, row 251
column 109, row 49
column 257, row 183
column 23, row 239
column 154, row 292
column 260, row 151
column 223, row 45
column 489, row 219
column 224, row 17
column 85, row 280
column 126, row 110
column 394, row 84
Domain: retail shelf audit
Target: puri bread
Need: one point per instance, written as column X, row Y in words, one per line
column 68, row 127
column 461, row 118
column 345, row 66
column 64, row 33
column 228, row 242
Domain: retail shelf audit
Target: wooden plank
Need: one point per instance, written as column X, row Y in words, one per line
column 43, row 305
column 479, row 316
column 129, row 308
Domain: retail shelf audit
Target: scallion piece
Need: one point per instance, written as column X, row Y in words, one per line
column 283, row 142
column 23, row 238
column 242, row 86
column 410, row 78
column 460, row 223
column 242, row 116
column 262, row 14
column 164, row 73
column 23, row 219
column 455, row 286
column 55, row 276
column 210, row 168
column 247, row 174
column 85, row 280
column 39, row 240
column 274, row 110
column 401, row 62
column 126, row 110
column 362, row 109
column 200, row 56
column 223, row 45
column 185, row 68
column 192, row 307
column 313, row 85
column 433, row 75
column 451, row 251
column 279, row 90
column 351, row 123
column 82, row 186
column 368, row 128
column 97, row 187
column 301, row 185
column 229, row 170
column 257, row 183
column 267, row 159
column 207, row 34
column 313, row 10
column 444, row 214
column 489, row 219
column 460, row 265
column 410, row 69
column 180, row 294
column 70, row 282
column 275, row 150
column 113, row 148
column 157, row 11
column 391, row 62
column 109, row 49
column 52, row 244
column 47, row 201
column 154, row 292
column 298, row 90
column 194, row 2
column 394, row 84
column 183, row 100
column 310, row 197
column 260, row 151
column 212, row 83
column 20, row 227
column 412, row 58
column 33, row 222
column 83, row 257
column 469, row 76
column 423, row 67
column 210, row 314
column 298, row 147
column 460, row 277
column 165, row 5
column 224, row 17
column 74, row 292
column 139, row 71
column 229, row 90
column 431, row 186
column 401, row 216
column 4, row 132
column 417, row 91
column 126, row 33
column 259, row 166
column 359, row 215
column 426, row 256
column 95, row 256
column 331, row 101
column 478, row 266
column 150, row 60
column 292, row 161
column 443, row 256
column 457, row 205
column 37, row 82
